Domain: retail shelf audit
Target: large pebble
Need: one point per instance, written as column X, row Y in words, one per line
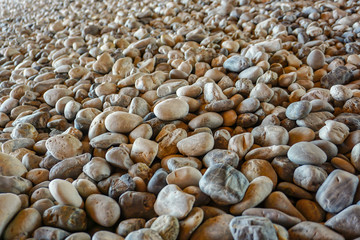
column 334, row 132
column 214, row 228
column 270, row 135
column 137, row 205
column 251, row 228
column 122, row 122
column 144, row 234
column 65, row 193
column 224, row 184
column 196, row 145
column 316, row 59
column 236, row 63
column 167, row 226
column 273, row 215
column 10, row 204
column 306, row 153
column 311, row 230
column 346, row 222
column 190, row 223
column 298, row 110
column 56, row 145
column 65, row 217
column 337, row 192
column 144, row 150
column 309, row 177
column 184, row 177
column 103, row 210
column 174, row 202
column 171, row 109
column 10, row 166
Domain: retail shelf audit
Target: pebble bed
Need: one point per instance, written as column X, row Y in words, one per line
column 183, row 119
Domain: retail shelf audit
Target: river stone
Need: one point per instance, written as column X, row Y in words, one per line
column 65, row 193
column 24, row 130
column 346, row 222
column 184, row 177
column 137, row 205
column 23, row 224
column 196, row 145
column 144, row 151
column 144, row 234
column 174, row 202
column 210, row 119
column 79, row 236
column 270, row 135
column 157, row 181
column 276, row 216
column 309, row 177
column 258, row 190
column 267, row 153
column 190, row 223
column 338, row 191
column 340, row 75
column 10, row 204
column 252, row 228
column 221, row 156
column 171, row 109
column 50, row 233
column 315, row 120
column 329, row 148
column 15, row 184
column 119, row 185
column 258, row 167
column 129, row 225
column 119, row 157
column 352, row 120
column 334, row 132
column 10, row 166
column 107, row 140
column 102, row 235
column 306, row 153
column 252, row 73
column 224, row 184
column 298, row 110
column 316, row 59
column 214, row 228
column 311, row 230
column 122, row 122
column 65, row 217
column 97, row 169
column 70, row 167
column 241, row 143
column 56, row 145
column 236, row 63
column 167, row 226
column 102, row 209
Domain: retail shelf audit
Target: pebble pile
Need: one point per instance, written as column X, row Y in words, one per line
column 179, row 119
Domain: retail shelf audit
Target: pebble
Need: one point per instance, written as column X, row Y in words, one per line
column 10, row 166
column 50, row 232
column 250, row 227
column 214, row 228
column 258, row 167
column 144, row 233
column 241, row 144
column 236, row 63
column 106, row 235
column 65, row 193
column 334, row 132
column 298, row 110
column 340, row 75
column 65, row 217
column 344, row 222
column 103, row 210
column 196, row 145
column 309, row 177
column 184, row 177
column 137, row 204
column 171, row 109
column 121, row 122
column 224, row 184
column 328, row 193
column 270, row 135
column 167, row 226
column 190, row 223
column 221, row 156
column 56, row 145
column 174, row 202
column 10, row 206
column 144, row 151
column 316, row 59
column 311, row 230
column 306, row 153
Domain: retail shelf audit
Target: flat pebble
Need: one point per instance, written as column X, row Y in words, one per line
column 171, row 109
column 250, row 227
column 311, row 230
column 306, row 153
column 103, row 210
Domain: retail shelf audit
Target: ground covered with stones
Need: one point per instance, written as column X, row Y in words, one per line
column 183, row 119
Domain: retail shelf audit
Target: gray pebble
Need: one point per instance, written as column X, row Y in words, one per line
column 306, row 153
column 298, row 110
column 346, row 222
column 252, row 228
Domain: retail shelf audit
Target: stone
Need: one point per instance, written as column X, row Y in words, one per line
column 316, row 59
column 329, row 148
column 106, row 140
column 50, row 233
column 250, row 227
column 100, row 235
column 273, row 215
column 214, row 228
column 352, row 120
column 157, row 181
column 340, row 75
column 65, row 193
column 311, row 210
column 174, row 202
column 69, row 167
column 306, row 153
column 352, row 105
column 24, row 130
column 144, row 150
column 196, row 145
column 184, row 177
column 129, row 225
column 267, row 153
column 97, row 169
column 344, row 222
column 144, row 234
column 56, row 145
column 224, row 184
column 258, row 190
column 190, row 223
column 171, row 109
column 167, row 226
column 221, row 156
column 137, row 205
column 258, row 167
column 270, row 135
column 311, row 230
column 309, row 177
column 298, row 110
column 315, row 120
column 10, row 166
column 252, row 73
column 65, row 217
column 211, row 120
column 328, row 195
column 262, row 92
column 121, row 122
column 241, row 144
column 10, row 204
column 334, row 132
column 340, row 93
column 103, row 210
column 236, row 63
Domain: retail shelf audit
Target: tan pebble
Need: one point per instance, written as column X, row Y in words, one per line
column 65, row 193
